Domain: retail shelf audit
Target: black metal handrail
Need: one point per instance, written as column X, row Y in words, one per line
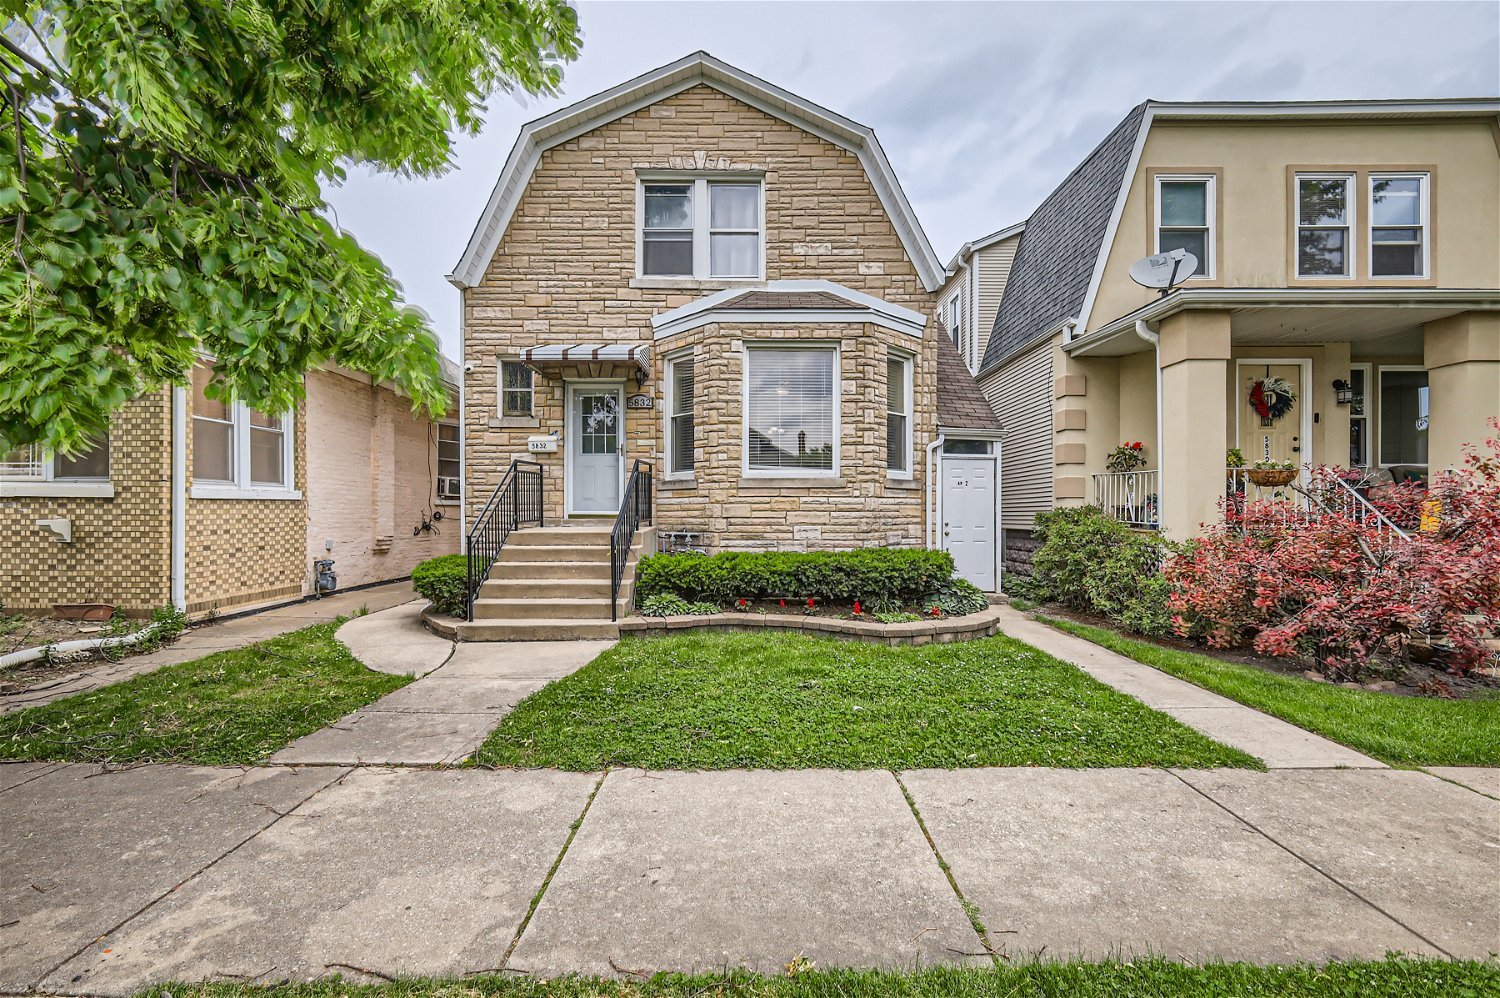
column 635, row 509
column 516, row 500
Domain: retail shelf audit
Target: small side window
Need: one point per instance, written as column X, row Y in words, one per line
column 517, row 391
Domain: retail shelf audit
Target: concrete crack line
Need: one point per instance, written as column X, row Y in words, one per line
column 552, row 872
column 970, row 909
column 185, row 881
column 1307, row 862
column 44, row 771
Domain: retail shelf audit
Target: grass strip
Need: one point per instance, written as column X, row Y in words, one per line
column 1397, row 730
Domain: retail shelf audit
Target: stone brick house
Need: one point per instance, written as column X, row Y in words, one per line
column 708, row 274
column 215, row 507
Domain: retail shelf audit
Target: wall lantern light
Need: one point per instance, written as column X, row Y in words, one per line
column 1343, row 392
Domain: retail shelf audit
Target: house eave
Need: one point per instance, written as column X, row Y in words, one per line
column 714, row 308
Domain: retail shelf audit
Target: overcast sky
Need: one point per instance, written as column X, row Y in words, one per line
column 981, row 107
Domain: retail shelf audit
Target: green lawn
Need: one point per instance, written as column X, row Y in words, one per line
column 790, row 701
column 1401, row 731
column 1391, row 978
column 230, row 708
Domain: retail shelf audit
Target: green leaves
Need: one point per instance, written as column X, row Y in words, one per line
column 160, row 191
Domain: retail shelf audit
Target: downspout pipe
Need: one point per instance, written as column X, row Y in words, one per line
column 932, row 492
column 1151, row 336
column 178, row 552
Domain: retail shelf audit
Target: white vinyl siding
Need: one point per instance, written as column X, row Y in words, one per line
column 993, row 270
column 1021, row 395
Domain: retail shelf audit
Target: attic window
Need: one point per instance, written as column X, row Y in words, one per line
column 693, row 227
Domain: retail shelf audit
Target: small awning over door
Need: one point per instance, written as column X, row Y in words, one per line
column 585, row 353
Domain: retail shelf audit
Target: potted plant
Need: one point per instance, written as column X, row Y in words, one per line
column 1272, row 474
column 1127, row 457
column 1234, row 458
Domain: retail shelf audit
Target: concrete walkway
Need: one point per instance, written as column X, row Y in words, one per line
column 205, row 639
column 117, row 880
column 442, row 717
column 1275, row 742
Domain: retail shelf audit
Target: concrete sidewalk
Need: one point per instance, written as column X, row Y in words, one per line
column 205, row 639
column 118, row 880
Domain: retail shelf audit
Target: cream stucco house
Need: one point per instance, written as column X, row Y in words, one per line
column 701, row 288
column 1349, row 248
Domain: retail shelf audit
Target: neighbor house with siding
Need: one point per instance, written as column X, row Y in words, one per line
column 1348, row 248
column 975, row 283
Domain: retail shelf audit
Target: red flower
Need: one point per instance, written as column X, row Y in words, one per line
column 783, row 604
column 856, row 608
column 742, row 604
column 811, row 602
column 937, row 611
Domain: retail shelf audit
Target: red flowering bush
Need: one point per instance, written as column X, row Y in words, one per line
column 1343, row 590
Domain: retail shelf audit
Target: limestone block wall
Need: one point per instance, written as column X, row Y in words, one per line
column 119, row 553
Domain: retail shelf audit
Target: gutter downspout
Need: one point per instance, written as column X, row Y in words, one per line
column 932, row 492
column 1145, row 332
column 178, row 552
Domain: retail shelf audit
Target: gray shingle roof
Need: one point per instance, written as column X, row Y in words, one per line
column 960, row 403
column 1060, row 245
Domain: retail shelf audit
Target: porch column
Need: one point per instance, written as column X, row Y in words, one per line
column 1194, row 359
column 1463, row 380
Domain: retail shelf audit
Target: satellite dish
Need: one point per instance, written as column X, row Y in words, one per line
column 1164, row 271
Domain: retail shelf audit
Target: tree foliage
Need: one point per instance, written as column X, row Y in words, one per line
column 161, row 167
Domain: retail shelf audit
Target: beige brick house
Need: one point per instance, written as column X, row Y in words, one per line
column 215, row 507
column 707, row 274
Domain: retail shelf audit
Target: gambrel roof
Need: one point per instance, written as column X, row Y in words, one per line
column 700, row 68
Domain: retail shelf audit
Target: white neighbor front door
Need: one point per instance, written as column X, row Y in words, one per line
column 596, row 426
column 969, row 517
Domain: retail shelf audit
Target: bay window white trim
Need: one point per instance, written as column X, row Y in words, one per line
column 670, row 414
column 906, row 471
column 701, row 209
column 748, row 351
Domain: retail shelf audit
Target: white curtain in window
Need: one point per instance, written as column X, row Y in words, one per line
column 792, row 408
column 734, row 224
column 267, row 449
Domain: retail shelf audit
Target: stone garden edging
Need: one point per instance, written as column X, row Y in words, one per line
column 982, row 624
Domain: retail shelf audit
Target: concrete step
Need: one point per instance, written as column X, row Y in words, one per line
column 564, row 536
column 541, row 589
column 591, row 570
column 587, row 608
column 537, row 629
column 554, row 552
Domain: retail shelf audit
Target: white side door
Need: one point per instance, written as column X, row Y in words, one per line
column 969, row 517
column 596, row 424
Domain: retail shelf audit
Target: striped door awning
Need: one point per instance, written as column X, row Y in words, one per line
column 577, row 353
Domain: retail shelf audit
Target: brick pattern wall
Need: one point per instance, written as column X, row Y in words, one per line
column 863, row 507
column 119, row 552
column 564, row 269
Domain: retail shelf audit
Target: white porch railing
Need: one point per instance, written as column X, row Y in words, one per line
column 1325, row 492
column 1130, row 497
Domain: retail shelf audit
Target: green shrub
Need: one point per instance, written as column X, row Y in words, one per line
column 443, row 581
column 896, row 617
column 956, row 598
column 1089, row 561
column 871, row 575
column 700, row 608
column 664, row 605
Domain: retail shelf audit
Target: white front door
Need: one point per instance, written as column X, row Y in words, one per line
column 596, row 418
column 969, row 517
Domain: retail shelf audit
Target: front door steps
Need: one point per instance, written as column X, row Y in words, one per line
column 552, row 584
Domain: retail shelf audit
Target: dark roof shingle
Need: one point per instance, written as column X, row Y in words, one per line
column 960, row 403
column 1061, row 243
column 788, row 299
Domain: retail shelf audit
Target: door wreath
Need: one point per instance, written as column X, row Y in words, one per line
column 1272, row 398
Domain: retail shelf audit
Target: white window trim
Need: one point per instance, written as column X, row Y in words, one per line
column 838, row 409
column 670, row 399
column 437, row 450
column 1423, row 223
column 241, row 487
column 1351, row 226
column 500, row 412
column 701, row 220
column 1210, row 217
column 48, row 485
column 908, row 362
column 1368, row 370
column 1379, row 451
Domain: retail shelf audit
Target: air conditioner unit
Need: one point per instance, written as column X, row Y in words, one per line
column 448, row 487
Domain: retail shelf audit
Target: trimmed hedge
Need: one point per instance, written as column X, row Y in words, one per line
column 443, row 581
column 875, row 576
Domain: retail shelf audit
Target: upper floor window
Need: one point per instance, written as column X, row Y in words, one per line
column 681, row 439
column 955, row 320
column 898, row 406
column 449, row 462
column 237, row 450
column 791, row 410
column 1185, row 219
column 1324, row 220
column 701, row 228
column 517, row 390
column 1398, row 225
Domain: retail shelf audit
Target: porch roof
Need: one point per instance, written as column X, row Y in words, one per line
column 585, row 353
column 1382, row 320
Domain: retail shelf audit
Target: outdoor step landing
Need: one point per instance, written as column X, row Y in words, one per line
column 545, row 536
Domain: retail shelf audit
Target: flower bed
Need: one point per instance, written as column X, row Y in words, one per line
column 936, row 630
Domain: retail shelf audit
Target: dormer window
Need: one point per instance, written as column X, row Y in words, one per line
column 694, row 227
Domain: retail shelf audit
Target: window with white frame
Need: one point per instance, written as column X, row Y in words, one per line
column 1185, row 219
column 237, row 448
column 1325, row 218
column 517, row 389
column 681, row 440
column 955, row 320
column 1405, row 408
column 30, row 463
column 898, row 406
column 1398, row 224
column 700, row 228
column 1359, row 416
column 791, row 410
column 449, row 463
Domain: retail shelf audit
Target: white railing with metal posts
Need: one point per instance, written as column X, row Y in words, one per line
column 1323, row 491
column 1132, row 497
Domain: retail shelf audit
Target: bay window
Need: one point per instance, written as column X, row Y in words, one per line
column 898, row 406
column 1324, row 221
column 681, row 440
column 238, row 452
column 791, row 410
column 1185, row 219
column 1398, row 225
column 702, row 229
